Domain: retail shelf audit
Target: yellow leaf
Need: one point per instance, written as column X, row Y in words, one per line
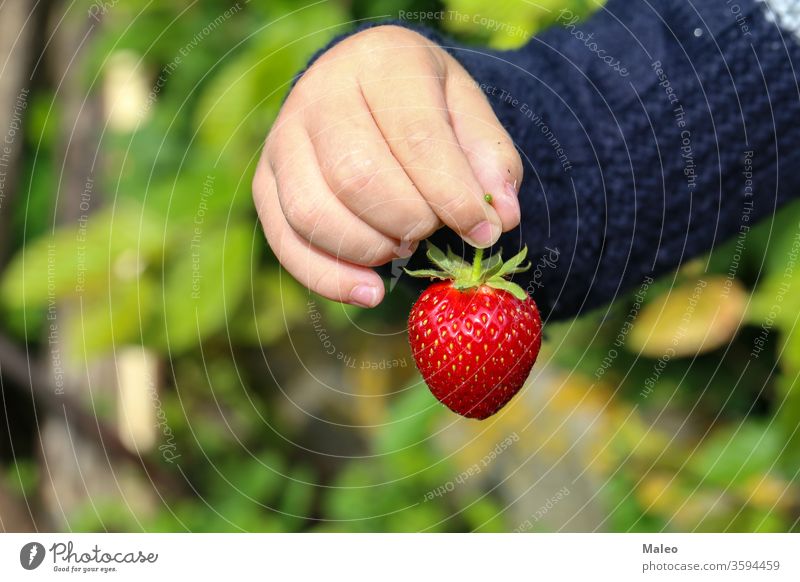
column 691, row 318
column 768, row 492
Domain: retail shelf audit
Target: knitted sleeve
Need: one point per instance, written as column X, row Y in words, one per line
column 651, row 133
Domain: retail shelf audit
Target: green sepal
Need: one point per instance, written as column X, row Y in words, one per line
column 432, row 273
column 490, row 271
column 455, row 260
column 514, row 264
column 438, row 258
column 493, row 264
column 449, row 263
column 512, row 288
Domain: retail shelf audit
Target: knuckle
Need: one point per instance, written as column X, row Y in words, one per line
column 379, row 37
column 377, row 46
column 512, row 163
column 261, row 188
column 256, row 185
column 507, row 159
column 353, row 171
column 320, row 279
column 325, row 78
column 458, row 209
column 312, row 80
column 422, row 228
column 374, row 255
column 273, row 239
column 420, row 140
column 300, row 213
column 376, row 37
column 273, row 139
column 274, row 236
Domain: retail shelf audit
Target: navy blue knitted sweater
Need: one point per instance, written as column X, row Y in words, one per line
column 635, row 128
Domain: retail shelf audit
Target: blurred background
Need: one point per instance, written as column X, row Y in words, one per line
column 159, row 372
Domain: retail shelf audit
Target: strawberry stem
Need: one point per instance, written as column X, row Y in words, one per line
column 476, row 264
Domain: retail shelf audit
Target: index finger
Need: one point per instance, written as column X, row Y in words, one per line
column 414, row 120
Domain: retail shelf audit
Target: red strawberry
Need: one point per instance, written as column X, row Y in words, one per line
column 475, row 336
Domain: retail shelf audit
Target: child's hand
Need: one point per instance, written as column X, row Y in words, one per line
column 384, row 139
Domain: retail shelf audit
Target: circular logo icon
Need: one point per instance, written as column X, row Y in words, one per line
column 31, row 555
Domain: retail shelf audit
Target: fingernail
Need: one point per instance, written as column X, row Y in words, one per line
column 511, row 188
column 507, row 203
column 364, row 296
column 483, row 235
column 405, row 250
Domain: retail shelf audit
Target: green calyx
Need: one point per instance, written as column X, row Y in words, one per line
column 491, row 271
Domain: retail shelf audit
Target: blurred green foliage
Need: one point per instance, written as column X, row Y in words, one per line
column 174, row 260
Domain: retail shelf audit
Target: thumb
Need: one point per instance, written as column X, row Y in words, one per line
column 488, row 147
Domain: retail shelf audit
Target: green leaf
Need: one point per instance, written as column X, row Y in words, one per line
column 776, row 298
column 732, row 454
column 485, row 515
column 80, row 260
column 297, row 497
column 787, row 419
column 118, row 316
column 241, row 101
column 275, row 303
column 205, row 284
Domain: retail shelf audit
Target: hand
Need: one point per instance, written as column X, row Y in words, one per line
column 384, row 139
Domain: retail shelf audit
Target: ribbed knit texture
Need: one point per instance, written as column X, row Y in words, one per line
column 651, row 169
